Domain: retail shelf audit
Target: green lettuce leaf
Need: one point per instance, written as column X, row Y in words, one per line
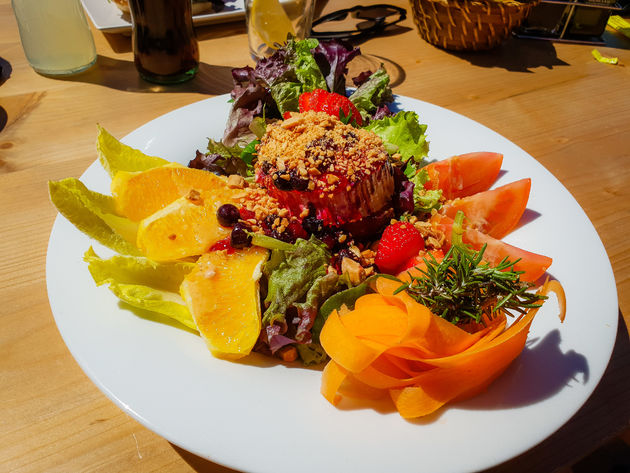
column 270, row 243
column 311, row 353
column 304, row 65
column 321, row 288
column 286, row 95
column 291, row 274
column 372, row 93
column 302, row 74
column 93, row 214
column 404, row 134
column 347, row 297
column 115, row 156
column 230, row 159
column 144, row 284
column 424, row 200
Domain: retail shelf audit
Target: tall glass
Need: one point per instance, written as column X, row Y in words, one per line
column 55, row 35
column 164, row 42
column 270, row 21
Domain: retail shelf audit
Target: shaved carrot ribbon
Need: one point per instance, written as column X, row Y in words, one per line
column 392, row 345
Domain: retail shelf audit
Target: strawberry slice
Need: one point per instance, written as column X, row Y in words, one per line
column 400, row 242
column 333, row 104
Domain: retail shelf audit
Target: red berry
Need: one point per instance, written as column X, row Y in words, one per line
column 333, row 104
column 400, row 242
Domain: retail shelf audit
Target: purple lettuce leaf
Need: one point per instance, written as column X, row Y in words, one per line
column 249, row 100
column 333, row 57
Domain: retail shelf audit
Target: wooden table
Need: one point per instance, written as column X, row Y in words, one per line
column 554, row 100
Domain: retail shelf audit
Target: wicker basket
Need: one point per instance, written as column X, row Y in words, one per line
column 468, row 24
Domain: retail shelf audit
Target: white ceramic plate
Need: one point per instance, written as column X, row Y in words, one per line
column 265, row 417
column 107, row 17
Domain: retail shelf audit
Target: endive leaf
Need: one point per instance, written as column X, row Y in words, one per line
column 115, row 156
column 93, row 214
column 143, row 283
column 137, row 270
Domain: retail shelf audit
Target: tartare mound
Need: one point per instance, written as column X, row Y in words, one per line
column 314, row 160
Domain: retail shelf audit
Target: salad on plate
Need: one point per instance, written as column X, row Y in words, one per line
column 316, row 231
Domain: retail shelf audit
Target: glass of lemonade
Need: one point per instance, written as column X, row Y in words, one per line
column 55, row 35
column 270, row 21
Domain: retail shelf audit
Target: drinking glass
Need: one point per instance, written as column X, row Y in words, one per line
column 164, row 43
column 269, row 22
column 55, row 36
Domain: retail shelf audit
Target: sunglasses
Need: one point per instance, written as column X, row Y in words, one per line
column 372, row 20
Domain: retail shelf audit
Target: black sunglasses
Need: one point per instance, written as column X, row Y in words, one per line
column 375, row 19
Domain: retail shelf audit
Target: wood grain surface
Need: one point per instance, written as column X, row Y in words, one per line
column 554, row 100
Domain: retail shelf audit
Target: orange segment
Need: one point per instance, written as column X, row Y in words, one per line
column 140, row 194
column 186, row 227
column 222, row 296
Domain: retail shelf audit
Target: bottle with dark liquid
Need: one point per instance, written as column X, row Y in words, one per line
column 164, row 43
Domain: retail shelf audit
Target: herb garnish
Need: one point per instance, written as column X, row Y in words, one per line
column 461, row 287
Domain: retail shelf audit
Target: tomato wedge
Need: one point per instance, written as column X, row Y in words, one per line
column 465, row 174
column 495, row 212
column 533, row 264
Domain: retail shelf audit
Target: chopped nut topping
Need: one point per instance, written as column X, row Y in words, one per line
column 208, row 269
column 316, row 144
column 235, row 181
column 194, row 197
column 353, row 270
column 433, row 237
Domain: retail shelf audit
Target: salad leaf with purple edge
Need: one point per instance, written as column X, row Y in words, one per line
column 249, row 99
column 372, row 93
column 333, row 58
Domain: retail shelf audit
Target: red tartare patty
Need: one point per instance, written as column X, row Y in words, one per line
column 314, row 160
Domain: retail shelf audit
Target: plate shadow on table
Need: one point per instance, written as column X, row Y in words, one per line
column 606, row 411
column 123, row 75
column 5, row 73
column 516, row 55
column 365, row 62
column 5, row 70
column 199, row 464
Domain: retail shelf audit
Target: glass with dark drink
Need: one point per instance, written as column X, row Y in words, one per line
column 164, row 43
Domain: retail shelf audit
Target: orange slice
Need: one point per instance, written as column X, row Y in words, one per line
column 222, row 296
column 186, row 227
column 140, row 194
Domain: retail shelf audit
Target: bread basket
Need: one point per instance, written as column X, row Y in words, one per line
column 468, row 25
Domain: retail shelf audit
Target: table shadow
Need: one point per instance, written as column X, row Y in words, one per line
column 199, row 464
column 123, row 75
column 514, row 54
column 5, row 70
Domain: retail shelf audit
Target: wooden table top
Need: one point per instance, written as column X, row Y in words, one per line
column 554, row 100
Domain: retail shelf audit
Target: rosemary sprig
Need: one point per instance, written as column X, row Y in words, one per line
column 461, row 288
